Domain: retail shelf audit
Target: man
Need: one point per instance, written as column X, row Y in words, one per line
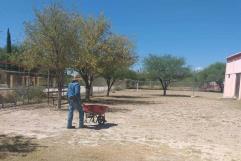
column 73, row 95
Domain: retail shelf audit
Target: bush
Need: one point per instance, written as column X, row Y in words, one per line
column 36, row 94
column 21, row 94
column 8, row 97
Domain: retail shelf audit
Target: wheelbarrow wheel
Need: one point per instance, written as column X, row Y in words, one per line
column 101, row 119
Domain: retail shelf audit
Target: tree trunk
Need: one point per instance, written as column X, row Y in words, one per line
column 87, row 92
column 60, row 80
column 88, row 79
column 109, row 82
column 59, row 97
column 165, row 84
column 108, row 86
column 91, row 90
column 108, row 92
column 164, row 92
column 220, row 86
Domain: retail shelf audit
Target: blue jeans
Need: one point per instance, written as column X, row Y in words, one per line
column 75, row 104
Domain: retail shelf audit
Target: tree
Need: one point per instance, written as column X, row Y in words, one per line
column 9, row 44
column 51, row 42
column 118, row 56
column 165, row 68
column 92, row 35
column 213, row 73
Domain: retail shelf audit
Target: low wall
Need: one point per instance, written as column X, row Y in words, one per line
column 96, row 89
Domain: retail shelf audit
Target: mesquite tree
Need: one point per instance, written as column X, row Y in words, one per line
column 118, row 56
column 165, row 68
column 51, row 39
column 213, row 73
column 92, row 35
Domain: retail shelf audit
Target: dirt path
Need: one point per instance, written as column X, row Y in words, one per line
column 141, row 126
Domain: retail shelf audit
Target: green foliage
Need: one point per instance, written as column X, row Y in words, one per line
column 92, row 35
column 21, row 94
column 51, row 42
column 14, row 56
column 34, row 94
column 51, row 39
column 4, row 56
column 118, row 56
column 131, row 74
column 166, row 68
column 213, row 73
column 9, row 43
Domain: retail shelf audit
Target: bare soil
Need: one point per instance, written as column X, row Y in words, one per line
column 141, row 126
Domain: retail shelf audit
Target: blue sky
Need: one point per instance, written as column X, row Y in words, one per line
column 202, row 31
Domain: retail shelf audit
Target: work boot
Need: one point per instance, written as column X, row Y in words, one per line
column 71, row 127
column 84, row 126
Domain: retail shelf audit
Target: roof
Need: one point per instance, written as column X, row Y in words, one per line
column 234, row 57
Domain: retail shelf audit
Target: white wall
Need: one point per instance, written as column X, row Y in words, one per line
column 96, row 89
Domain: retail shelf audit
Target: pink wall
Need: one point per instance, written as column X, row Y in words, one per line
column 229, row 85
column 232, row 69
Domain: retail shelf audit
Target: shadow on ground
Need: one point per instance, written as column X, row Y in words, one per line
column 124, row 96
column 101, row 126
column 16, row 145
column 123, row 110
column 119, row 101
column 171, row 95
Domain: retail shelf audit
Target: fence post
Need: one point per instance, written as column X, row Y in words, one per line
column 137, row 85
column 193, row 89
column 28, row 85
column 48, row 86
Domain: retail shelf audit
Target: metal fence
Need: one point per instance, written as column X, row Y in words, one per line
column 174, row 85
column 36, row 94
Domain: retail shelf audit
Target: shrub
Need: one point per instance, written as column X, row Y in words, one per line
column 36, row 94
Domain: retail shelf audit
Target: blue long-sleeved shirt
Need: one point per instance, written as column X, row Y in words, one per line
column 74, row 89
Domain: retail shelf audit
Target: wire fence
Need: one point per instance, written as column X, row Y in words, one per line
column 20, row 87
column 37, row 94
column 175, row 85
column 42, row 92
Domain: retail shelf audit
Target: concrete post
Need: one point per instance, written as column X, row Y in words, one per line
column 54, row 82
column 38, row 81
column 11, row 81
column 23, row 81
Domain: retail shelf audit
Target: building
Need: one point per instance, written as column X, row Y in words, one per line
column 232, row 77
column 13, row 75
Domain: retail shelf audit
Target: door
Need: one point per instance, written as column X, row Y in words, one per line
column 237, row 86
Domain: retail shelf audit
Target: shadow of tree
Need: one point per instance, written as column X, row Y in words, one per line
column 123, row 110
column 125, row 96
column 171, row 95
column 111, row 101
column 101, row 126
column 13, row 145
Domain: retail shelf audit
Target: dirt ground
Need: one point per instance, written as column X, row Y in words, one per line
column 141, row 126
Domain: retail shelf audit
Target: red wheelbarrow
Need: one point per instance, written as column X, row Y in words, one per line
column 95, row 113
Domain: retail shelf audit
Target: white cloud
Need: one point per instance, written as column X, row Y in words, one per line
column 198, row 69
